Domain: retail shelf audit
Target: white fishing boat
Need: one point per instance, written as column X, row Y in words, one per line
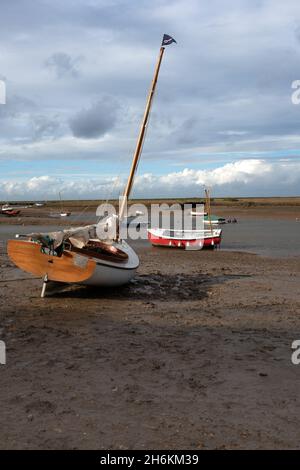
column 78, row 255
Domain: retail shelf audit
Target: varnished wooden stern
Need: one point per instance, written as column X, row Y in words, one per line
column 69, row 267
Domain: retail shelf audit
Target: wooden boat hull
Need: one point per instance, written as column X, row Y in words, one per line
column 186, row 244
column 71, row 267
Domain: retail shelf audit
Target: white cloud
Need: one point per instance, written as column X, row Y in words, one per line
column 223, row 94
column 242, row 171
column 254, row 177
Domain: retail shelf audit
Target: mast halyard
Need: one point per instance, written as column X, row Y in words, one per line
column 138, row 149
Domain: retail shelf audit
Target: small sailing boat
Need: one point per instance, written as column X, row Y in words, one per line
column 77, row 255
column 208, row 218
column 62, row 212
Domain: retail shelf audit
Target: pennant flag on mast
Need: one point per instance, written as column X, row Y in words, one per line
column 167, row 40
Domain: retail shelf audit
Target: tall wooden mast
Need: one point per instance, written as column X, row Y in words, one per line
column 207, row 195
column 141, row 136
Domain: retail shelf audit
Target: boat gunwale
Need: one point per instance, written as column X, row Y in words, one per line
column 217, row 233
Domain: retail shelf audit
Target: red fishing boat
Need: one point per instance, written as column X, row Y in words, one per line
column 185, row 239
column 12, row 213
column 9, row 211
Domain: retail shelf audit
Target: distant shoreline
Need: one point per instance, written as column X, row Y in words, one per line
column 217, row 201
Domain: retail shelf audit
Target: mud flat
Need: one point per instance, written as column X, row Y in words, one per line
column 195, row 353
column 85, row 211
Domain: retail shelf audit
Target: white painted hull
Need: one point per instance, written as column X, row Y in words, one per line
column 112, row 274
column 109, row 276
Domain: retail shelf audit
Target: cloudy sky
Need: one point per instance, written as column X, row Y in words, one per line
column 77, row 75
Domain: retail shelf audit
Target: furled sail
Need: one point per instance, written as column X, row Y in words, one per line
column 78, row 236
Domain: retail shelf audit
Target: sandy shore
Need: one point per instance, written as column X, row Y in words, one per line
column 195, row 353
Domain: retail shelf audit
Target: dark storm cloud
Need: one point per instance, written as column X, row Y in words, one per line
column 97, row 120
